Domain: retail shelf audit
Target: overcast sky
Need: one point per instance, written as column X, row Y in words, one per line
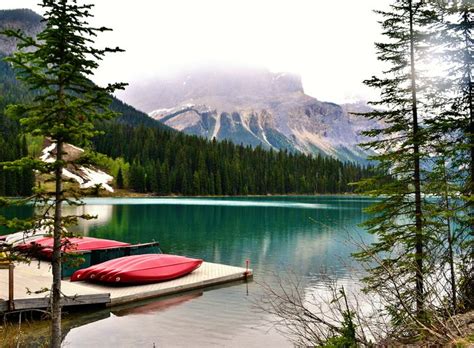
column 328, row 42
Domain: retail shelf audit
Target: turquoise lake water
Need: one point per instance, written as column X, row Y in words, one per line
column 301, row 235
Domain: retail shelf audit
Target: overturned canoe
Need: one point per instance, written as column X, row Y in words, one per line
column 27, row 236
column 139, row 269
column 44, row 246
column 24, row 238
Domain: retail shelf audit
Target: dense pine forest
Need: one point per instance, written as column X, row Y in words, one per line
column 148, row 157
column 12, row 144
column 167, row 162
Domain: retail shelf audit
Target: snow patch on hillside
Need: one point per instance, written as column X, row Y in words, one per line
column 86, row 177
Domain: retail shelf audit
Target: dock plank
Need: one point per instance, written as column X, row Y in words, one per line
column 30, row 279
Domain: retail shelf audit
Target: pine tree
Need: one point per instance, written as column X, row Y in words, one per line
column 399, row 219
column 57, row 66
column 120, row 178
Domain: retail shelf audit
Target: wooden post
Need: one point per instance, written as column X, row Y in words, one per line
column 11, row 301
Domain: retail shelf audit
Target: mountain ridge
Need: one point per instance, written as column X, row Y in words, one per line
column 254, row 107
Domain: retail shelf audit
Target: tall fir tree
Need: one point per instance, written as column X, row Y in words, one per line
column 120, row 178
column 399, row 219
column 57, row 66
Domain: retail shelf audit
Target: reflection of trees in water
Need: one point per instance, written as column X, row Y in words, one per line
column 272, row 237
column 22, row 212
column 36, row 333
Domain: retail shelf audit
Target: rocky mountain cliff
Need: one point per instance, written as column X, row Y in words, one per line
column 253, row 107
column 26, row 20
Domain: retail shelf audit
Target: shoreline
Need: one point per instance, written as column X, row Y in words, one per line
column 122, row 194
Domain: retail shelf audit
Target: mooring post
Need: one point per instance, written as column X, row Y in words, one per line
column 11, row 301
column 247, row 263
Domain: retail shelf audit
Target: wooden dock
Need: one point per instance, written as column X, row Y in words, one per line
column 29, row 279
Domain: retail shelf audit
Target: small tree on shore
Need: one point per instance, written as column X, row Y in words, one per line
column 57, row 65
column 120, row 179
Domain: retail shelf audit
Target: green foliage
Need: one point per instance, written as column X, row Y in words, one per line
column 453, row 148
column 119, row 180
column 347, row 336
column 58, row 69
column 422, row 261
column 12, row 143
column 398, row 261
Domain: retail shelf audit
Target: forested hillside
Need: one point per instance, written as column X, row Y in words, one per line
column 150, row 157
column 12, row 144
column 170, row 162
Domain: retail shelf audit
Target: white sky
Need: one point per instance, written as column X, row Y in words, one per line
column 328, row 42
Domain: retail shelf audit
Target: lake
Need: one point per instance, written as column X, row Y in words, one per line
column 300, row 235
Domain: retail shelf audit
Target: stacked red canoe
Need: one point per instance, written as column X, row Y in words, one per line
column 139, row 269
column 44, row 246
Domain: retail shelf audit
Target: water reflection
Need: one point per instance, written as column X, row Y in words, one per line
column 154, row 306
column 304, row 234
column 271, row 237
column 36, row 333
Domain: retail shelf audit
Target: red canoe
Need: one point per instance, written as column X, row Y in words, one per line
column 139, row 269
column 45, row 245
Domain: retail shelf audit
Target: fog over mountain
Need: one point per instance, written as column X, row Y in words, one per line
column 252, row 106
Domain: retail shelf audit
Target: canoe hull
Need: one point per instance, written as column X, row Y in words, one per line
column 139, row 269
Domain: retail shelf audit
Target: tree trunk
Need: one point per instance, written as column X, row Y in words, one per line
column 56, row 259
column 471, row 116
column 450, row 241
column 468, row 44
column 416, row 178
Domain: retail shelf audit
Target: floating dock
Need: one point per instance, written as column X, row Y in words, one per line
column 30, row 279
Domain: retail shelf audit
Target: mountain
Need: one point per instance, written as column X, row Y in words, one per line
column 254, row 107
column 23, row 19
column 12, row 91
